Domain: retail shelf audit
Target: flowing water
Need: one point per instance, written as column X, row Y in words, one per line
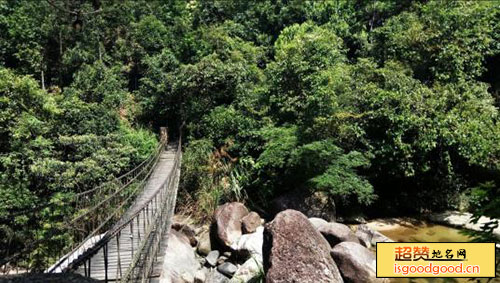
column 411, row 230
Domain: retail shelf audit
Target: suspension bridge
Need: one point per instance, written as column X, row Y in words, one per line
column 120, row 230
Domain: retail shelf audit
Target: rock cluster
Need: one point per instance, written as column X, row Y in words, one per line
column 239, row 247
column 228, row 251
column 227, row 222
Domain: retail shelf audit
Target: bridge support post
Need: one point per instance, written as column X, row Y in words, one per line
column 163, row 133
column 105, row 251
column 119, row 266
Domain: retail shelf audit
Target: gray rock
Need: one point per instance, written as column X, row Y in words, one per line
column 212, row 258
column 251, row 222
column 294, row 250
column 186, row 277
column 379, row 237
column 222, row 259
column 227, row 269
column 250, row 244
column 227, row 221
column 356, row 263
column 180, row 263
column 369, row 237
column 201, row 229
column 252, row 269
column 312, row 204
column 188, row 231
column 215, row 276
column 202, row 261
column 355, row 219
column 364, row 239
column 462, row 220
column 204, row 243
column 334, row 232
column 201, row 275
column 316, row 221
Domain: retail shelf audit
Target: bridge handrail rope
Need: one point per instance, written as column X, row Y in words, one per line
column 146, row 165
column 150, row 161
column 92, row 235
column 148, row 168
column 114, row 179
column 150, row 157
column 148, row 251
column 154, row 229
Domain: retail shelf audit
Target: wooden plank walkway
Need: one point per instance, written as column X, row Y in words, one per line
column 121, row 250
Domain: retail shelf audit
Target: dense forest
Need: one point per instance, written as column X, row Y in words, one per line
column 388, row 107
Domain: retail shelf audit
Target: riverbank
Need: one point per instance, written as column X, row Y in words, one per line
column 448, row 226
column 461, row 220
column 413, row 230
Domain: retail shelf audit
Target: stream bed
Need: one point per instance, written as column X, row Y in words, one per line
column 412, row 230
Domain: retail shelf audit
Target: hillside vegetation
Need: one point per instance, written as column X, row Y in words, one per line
column 386, row 106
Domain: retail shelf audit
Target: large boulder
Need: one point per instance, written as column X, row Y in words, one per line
column 180, row 263
column 312, row 204
column 251, row 222
column 356, row 263
column 369, row 237
column 188, row 231
column 334, row 232
column 294, row 250
column 227, row 222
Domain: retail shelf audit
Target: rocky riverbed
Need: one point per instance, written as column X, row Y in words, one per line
column 238, row 246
